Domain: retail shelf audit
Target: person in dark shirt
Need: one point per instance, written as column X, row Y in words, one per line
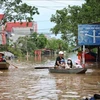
column 60, row 61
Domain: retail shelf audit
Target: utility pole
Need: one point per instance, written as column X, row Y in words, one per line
column 26, row 50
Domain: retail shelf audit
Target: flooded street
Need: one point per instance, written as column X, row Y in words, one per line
column 27, row 83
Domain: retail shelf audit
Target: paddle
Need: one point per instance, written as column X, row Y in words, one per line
column 13, row 65
column 43, row 67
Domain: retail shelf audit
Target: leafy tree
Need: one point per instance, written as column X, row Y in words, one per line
column 64, row 24
column 16, row 10
column 67, row 20
column 61, row 19
column 33, row 37
column 15, row 51
column 41, row 41
column 57, row 44
column 31, row 43
column 25, row 45
column 90, row 12
column 52, row 44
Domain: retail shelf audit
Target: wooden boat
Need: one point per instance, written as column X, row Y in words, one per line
column 68, row 71
column 4, row 65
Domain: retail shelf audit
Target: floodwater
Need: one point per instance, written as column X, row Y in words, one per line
column 27, row 83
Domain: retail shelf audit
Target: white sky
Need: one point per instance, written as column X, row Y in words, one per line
column 48, row 7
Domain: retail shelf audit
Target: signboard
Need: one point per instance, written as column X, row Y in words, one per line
column 89, row 34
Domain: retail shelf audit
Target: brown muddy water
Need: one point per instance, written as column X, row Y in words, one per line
column 27, row 83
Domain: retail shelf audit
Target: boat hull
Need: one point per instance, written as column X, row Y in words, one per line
column 4, row 65
column 68, row 71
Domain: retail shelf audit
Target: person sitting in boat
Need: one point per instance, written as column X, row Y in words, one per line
column 2, row 57
column 69, row 62
column 77, row 64
column 60, row 61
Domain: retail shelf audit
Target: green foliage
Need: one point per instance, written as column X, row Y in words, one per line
column 52, row 44
column 31, row 43
column 41, row 41
column 91, row 11
column 15, row 51
column 56, row 44
column 3, row 47
column 11, row 49
column 67, row 20
column 16, row 10
column 61, row 20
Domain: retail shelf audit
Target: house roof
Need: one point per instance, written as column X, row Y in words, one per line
column 10, row 25
column 1, row 16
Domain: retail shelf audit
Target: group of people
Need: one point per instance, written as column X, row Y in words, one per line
column 61, row 63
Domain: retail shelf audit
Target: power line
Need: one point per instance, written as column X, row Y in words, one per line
column 51, row 6
column 57, row 2
column 43, row 21
column 45, row 7
column 54, row 1
column 45, row 29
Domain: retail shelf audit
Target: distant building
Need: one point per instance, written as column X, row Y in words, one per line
column 14, row 30
column 2, row 33
column 17, row 29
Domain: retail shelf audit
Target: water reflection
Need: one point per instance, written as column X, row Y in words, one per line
column 27, row 83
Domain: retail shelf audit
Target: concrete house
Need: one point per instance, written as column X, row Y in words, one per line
column 15, row 30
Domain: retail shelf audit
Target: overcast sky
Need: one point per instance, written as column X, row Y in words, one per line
column 48, row 7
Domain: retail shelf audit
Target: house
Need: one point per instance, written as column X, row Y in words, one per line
column 17, row 29
column 14, row 30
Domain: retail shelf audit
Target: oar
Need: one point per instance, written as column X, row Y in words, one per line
column 13, row 65
column 43, row 67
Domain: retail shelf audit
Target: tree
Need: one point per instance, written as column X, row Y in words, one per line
column 56, row 44
column 65, row 23
column 67, row 19
column 30, row 43
column 90, row 12
column 25, row 44
column 41, row 41
column 16, row 10
column 61, row 20
column 52, row 44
